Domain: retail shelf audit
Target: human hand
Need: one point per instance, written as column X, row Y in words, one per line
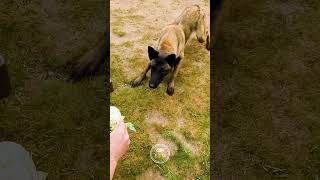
column 119, row 142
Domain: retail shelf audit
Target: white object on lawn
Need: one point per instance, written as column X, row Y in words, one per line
column 115, row 117
column 160, row 153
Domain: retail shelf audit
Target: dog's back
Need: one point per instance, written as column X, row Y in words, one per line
column 172, row 40
column 189, row 16
column 192, row 19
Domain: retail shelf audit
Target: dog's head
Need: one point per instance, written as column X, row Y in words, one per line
column 161, row 65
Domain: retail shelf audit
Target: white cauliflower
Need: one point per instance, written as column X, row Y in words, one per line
column 116, row 117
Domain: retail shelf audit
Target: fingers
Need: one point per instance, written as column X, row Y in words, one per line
column 124, row 131
column 120, row 129
column 122, row 125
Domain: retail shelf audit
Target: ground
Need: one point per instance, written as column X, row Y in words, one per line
column 266, row 90
column 181, row 121
column 63, row 124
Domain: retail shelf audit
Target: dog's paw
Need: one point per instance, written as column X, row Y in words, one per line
column 170, row 91
column 136, row 83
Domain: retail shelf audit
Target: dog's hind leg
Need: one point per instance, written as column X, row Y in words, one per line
column 141, row 77
column 202, row 31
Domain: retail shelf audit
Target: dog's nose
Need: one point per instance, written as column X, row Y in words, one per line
column 152, row 85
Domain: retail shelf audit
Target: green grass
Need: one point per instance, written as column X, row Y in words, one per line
column 266, row 102
column 118, row 32
column 61, row 123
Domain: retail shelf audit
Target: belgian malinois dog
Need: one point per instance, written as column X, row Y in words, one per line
column 169, row 54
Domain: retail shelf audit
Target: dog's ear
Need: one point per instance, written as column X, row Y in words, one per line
column 152, row 53
column 171, row 60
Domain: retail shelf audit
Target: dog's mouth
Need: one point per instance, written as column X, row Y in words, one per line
column 155, row 81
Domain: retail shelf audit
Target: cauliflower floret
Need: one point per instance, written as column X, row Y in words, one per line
column 115, row 117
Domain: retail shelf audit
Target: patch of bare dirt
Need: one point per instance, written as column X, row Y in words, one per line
column 151, row 174
column 156, row 119
column 180, row 122
column 194, row 148
column 123, row 4
column 132, row 33
column 156, row 15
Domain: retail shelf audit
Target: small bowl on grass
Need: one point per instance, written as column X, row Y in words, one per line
column 160, row 153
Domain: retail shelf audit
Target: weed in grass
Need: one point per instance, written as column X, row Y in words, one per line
column 118, row 32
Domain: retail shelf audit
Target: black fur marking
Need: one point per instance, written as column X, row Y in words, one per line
column 152, row 53
column 171, row 60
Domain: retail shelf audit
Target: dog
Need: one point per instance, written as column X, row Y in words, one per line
column 169, row 54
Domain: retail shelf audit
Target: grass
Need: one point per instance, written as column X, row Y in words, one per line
column 61, row 123
column 118, row 32
column 189, row 103
column 266, row 98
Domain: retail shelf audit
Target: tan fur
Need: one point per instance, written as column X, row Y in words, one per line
column 172, row 40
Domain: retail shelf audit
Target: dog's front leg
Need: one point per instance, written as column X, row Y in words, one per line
column 141, row 77
column 170, row 89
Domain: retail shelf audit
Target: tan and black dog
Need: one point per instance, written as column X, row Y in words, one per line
column 167, row 57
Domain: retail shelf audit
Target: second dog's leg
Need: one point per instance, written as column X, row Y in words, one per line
column 141, row 77
column 170, row 89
